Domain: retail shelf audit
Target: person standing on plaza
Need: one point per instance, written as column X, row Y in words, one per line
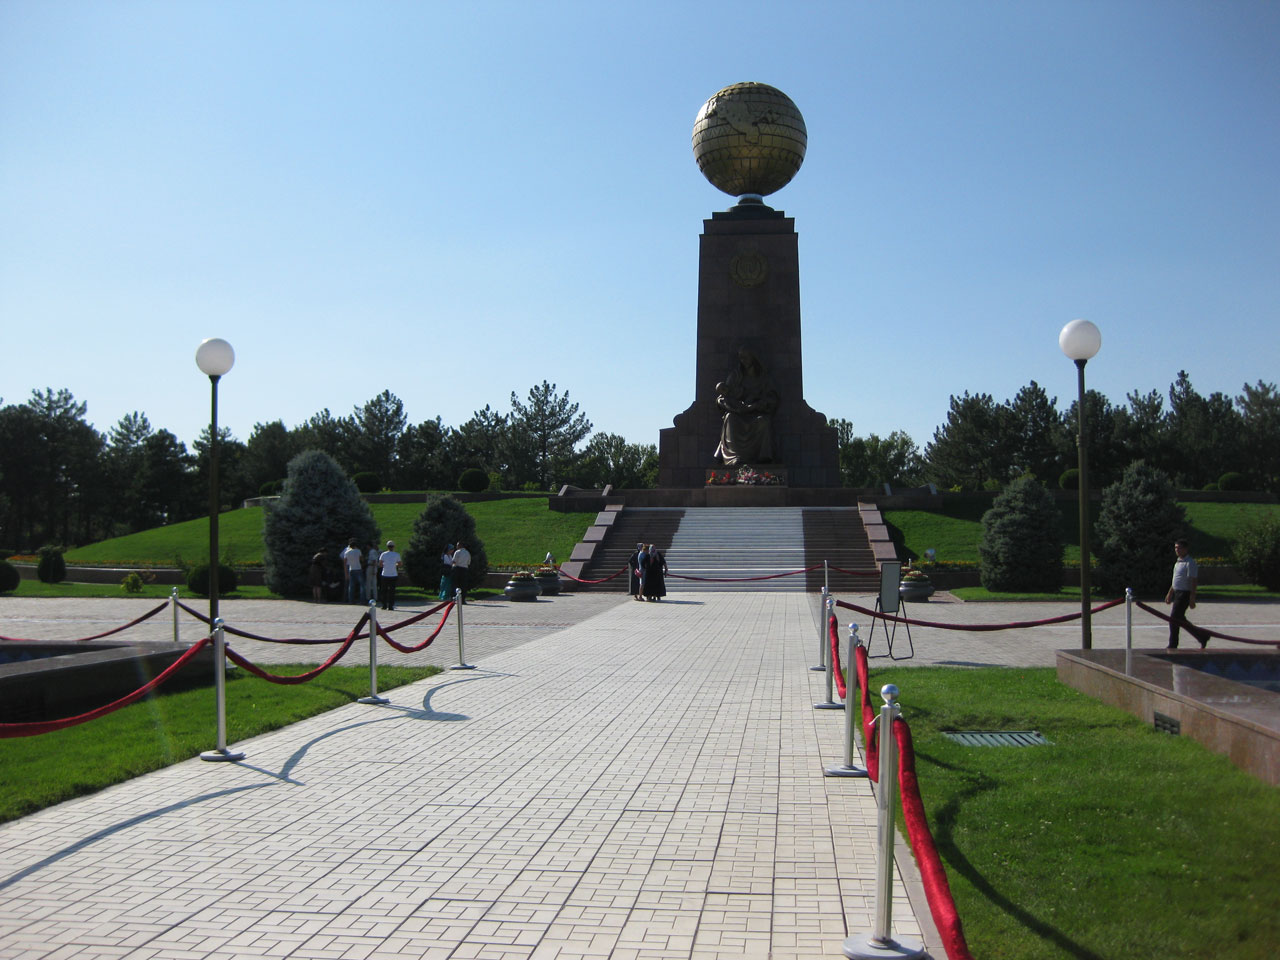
column 353, row 569
column 655, row 572
column 446, row 578
column 1182, row 594
column 634, row 560
column 389, row 573
column 461, row 568
column 315, row 576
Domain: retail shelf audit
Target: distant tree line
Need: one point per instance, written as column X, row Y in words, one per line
column 61, row 481
column 984, row 445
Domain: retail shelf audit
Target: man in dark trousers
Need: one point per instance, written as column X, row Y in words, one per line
column 461, row 570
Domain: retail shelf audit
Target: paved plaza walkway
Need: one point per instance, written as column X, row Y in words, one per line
column 614, row 780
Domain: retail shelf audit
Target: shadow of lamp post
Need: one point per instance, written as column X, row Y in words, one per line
column 1080, row 340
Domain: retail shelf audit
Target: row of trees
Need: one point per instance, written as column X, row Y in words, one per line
column 984, row 444
column 63, row 481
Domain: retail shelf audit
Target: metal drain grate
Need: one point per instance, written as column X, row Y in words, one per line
column 999, row 738
column 1166, row 724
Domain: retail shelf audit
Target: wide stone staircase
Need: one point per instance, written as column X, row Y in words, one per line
column 742, row 542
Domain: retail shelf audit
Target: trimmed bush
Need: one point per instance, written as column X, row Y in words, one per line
column 1139, row 520
column 198, row 580
column 51, row 568
column 367, row 481
column 1211, row 487
column 443, row 522
column 1257, row 553
column 1233, row 480
column 271, row 488
column 1070, row 479
column 1021, row 548
column 9, row 577
column 319, row 510
column 473, row 480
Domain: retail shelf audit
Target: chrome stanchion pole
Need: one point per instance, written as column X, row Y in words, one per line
column 880, row 942
column 173, row 605
column 848, row 769
column 830, row 703
column 220, row 694
column 826, row 578
column 462, row 656
column 1128, row 631
column 373, row 658
column 822, row 632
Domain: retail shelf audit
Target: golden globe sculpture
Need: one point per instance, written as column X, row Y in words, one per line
column 749, row 140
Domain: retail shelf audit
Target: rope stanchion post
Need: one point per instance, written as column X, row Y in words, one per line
column 221, row 753
column 826, row 578
column 373, row 657
column 828, row 610
column 848, row 768
column 880, row 942
column 822, row 633
column 173, row 605
column 1128, row 631
column 462, row 655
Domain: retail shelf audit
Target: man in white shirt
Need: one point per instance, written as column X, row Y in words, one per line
column 353, row 569
column 461, row 570
column 389, row 572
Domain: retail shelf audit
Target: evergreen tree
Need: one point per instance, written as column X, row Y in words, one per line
column 547, row 430
column 445, row 521
column 1137, row 525
column 1021, row 546
column 320, row 510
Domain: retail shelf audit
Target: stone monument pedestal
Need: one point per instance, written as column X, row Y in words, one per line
column 749, row 299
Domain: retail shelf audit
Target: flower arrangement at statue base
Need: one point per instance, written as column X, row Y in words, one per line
column 743, row 476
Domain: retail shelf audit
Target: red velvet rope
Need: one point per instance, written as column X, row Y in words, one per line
column 868, row 714
column 833, row 634
column 854, row 573
column 425, row 643
column 48, row 726
column 771, row 576
column 934, row 875
column 106, row 633
column 1204, row 630
column 254, row 636
column 302, row 677
column 580, row 580
column 976, row 627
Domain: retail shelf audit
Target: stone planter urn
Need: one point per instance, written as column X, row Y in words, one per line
column 549, row 583
column 914, row 591
column 526, row 589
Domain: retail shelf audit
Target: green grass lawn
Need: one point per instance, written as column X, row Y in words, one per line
column 1224, row 591
column 170, row 727
column 1116, row 841
column 955, row 530
column 515, row 532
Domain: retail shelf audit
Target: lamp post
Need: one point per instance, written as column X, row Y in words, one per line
column 1080, row 340
column 214, row 357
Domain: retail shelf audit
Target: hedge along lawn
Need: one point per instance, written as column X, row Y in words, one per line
column 1115, row 841
column 955, row 530
column 516, row 532
column 170, row 727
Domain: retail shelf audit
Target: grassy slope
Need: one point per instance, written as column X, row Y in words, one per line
column 518, row 531
column 1116, row 841
column 956, row 531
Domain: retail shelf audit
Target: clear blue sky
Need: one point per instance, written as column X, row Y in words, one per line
column 457, row 200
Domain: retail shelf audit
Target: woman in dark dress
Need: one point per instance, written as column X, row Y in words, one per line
column 655, row 572
column 633, row 571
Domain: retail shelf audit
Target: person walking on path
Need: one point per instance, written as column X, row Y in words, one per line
column 389, row 563
column 461, row 568
column 1182, row 594
column 353, row 568
column 655, row 573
